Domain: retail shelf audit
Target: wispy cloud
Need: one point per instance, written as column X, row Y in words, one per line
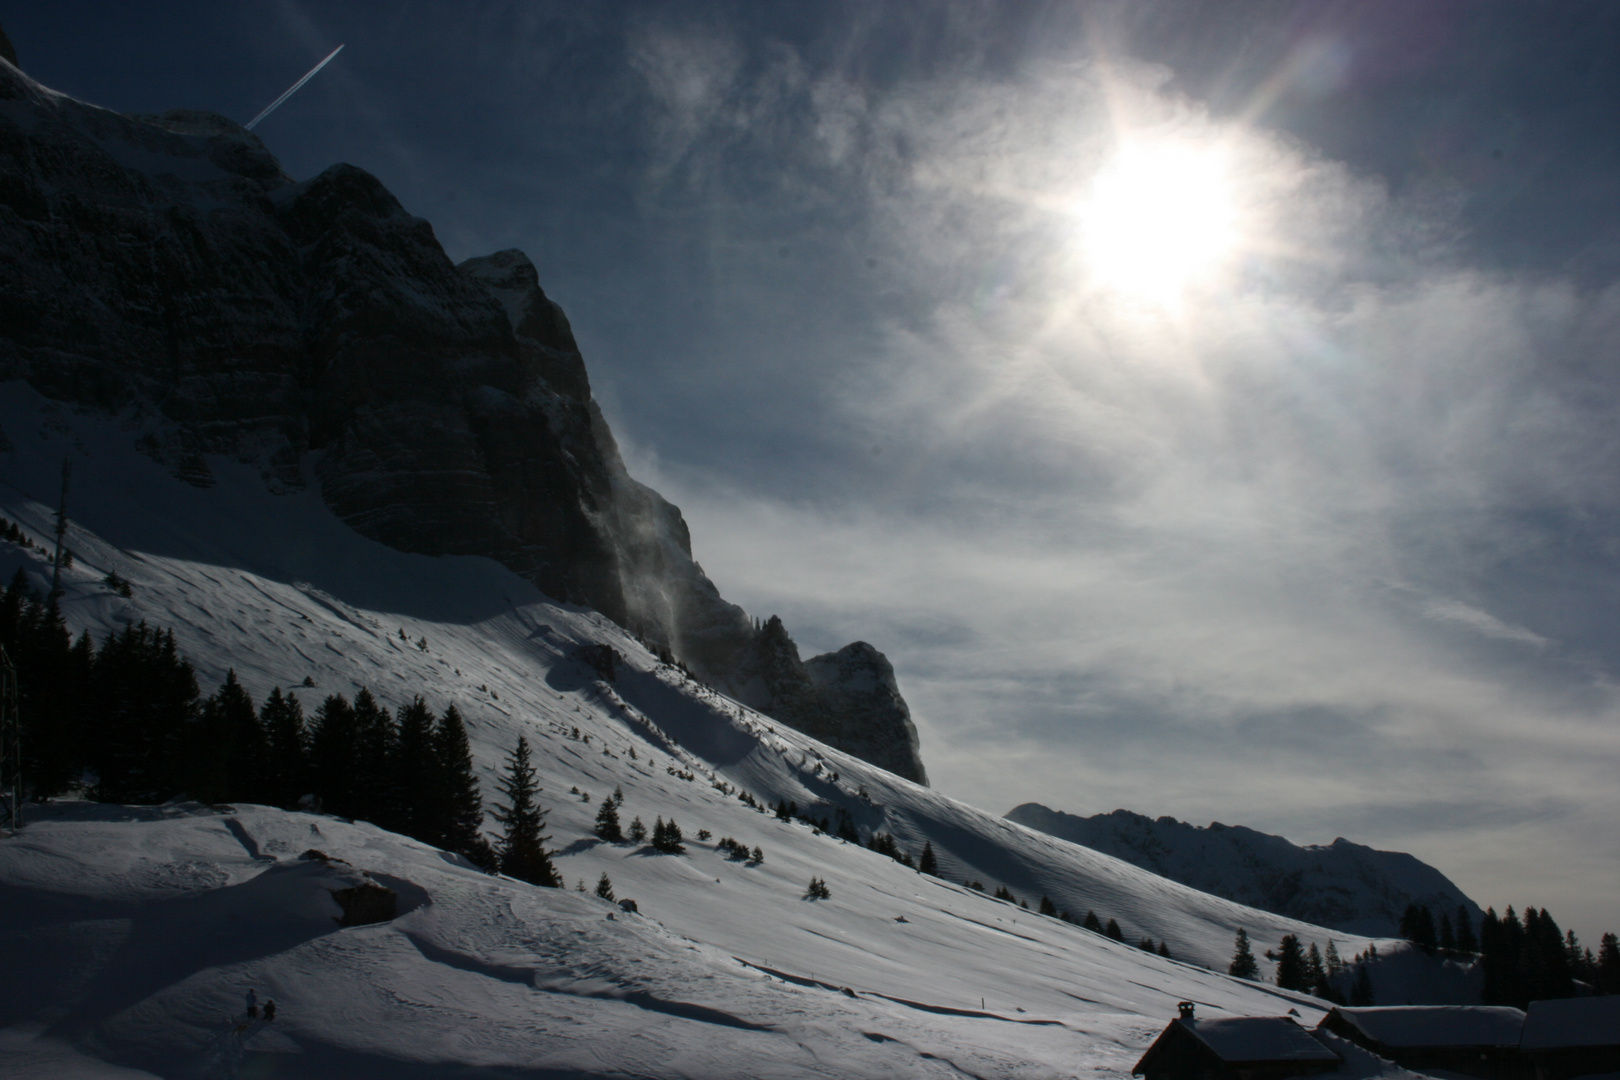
column 1140, row 557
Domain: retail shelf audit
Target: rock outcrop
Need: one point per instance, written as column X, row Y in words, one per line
column 167, row 266
column 1341, row 885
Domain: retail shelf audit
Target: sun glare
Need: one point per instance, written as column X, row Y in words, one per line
column 1159, row 218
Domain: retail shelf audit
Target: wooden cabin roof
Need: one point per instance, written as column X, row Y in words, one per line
column 1244, row 1040
column 1568, row 1023
column 1413, row 1027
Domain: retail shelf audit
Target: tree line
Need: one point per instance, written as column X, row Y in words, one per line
column 125, row 721
column 1522, row 959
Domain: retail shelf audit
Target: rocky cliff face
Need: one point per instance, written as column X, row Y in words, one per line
column 1341, row 885
column 166, row 265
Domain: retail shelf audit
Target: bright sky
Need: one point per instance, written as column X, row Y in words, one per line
column 1206, row 406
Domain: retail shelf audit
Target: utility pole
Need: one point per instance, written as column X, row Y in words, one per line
column 11, row 783
column 61, row 530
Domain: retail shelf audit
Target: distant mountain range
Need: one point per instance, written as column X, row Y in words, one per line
column 1340, row 885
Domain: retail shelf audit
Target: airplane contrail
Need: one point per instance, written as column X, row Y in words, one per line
column 293, row 89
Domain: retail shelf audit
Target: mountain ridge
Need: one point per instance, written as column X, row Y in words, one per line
column 317, row 330
column 1343, row 885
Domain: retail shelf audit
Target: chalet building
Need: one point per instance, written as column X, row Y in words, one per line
column 1234, row 1048
column 1573, row 1037
column 1474, row 1040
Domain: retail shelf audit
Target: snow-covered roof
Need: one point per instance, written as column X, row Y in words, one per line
column 1257, row 1038
column 1553, row 1025
column 1437, row 1025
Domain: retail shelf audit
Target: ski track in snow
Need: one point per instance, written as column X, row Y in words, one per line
column 130, row 934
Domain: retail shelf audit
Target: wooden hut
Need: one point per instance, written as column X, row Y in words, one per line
column 1573, row 1037
column 1234, row 1048
column 1475, row 1040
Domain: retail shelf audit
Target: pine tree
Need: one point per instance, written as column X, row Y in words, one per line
column 1464, row 926
column 416, row 808
column 1092, row 922
column 1333, row 964
column 1243, row 964
column 286, row 770
column 638, row 831
column 1047, row 907
column 1608, row 965
column 817, row 890
column 1113, row 931
column 377, row 796
column 331, row 755
column 928, row 863
column 1361, row 991
column 607, row 822
column 232, row 751
column 458, row 802
column 146, row 698
column 1291, row 964
column 604, row 887
column 1164, row 950
column 521, row 847
column 1448, row 937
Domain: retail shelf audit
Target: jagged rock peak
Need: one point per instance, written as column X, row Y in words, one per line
column 538, row 321
column 165, row 266
column 7, row 52
column 859, row 686
column 848, row 699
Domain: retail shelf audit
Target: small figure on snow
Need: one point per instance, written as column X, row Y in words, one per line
column 252, row 1005
column 269, row 1011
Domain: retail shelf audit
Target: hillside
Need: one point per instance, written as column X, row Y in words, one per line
column 488, row 972
column 316, row 331
column 1350, row 887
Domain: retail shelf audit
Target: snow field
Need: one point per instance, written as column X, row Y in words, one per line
column 728, row 971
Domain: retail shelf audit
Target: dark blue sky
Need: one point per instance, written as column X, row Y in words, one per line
column 1314, row 531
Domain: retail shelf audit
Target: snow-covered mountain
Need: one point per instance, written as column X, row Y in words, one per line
column 1347, row 886
column 327, row 459
column 728, row 971
column 318, row 332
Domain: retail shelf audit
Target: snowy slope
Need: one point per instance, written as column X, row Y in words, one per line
column 490, row 972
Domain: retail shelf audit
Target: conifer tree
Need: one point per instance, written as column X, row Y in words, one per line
column 1290, row 964
column 1113, row 931
column 1607, row 980
column 1164, row 950
column 521, row 847
column 145, row 696
column 332, row 751
column 604, row 887
column 1047, row 907
column 928, row 863
column 1243, row 964
column 607, row 821
column 232, row 751
column 1464, row 926
column 1091, row 922
column 416, row 808
column 638, row 831
column 1361, row 991
column 458, row 817
column 286, row 769
column 375, row 792
column 1331, row 961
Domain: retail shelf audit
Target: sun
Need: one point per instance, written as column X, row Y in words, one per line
column 1159, row 218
